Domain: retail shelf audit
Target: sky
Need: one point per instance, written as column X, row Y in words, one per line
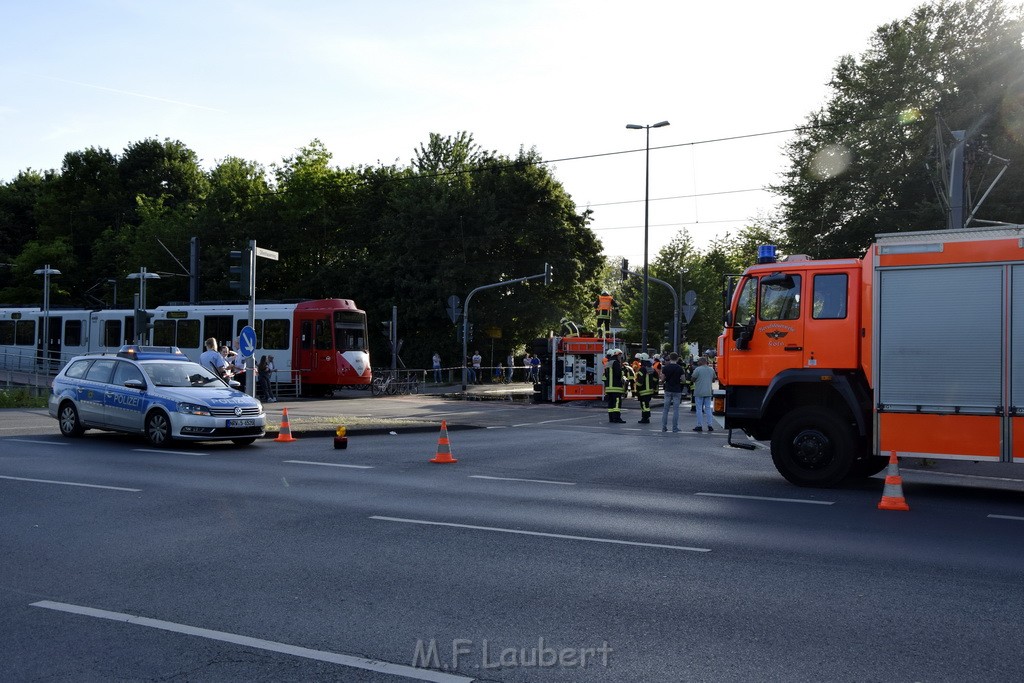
column 258, row 79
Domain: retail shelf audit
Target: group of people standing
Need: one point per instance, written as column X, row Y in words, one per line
column 671, row 375
column 501, row 373
column 227, row 364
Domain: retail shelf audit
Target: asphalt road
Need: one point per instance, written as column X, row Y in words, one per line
column 556, row 540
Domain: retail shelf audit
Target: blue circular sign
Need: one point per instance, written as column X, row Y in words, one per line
column 247, row 342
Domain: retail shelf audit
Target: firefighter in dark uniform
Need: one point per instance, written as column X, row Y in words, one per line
column 614, row 386
column 646, row 387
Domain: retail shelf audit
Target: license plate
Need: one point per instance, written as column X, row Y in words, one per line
column 241, row 423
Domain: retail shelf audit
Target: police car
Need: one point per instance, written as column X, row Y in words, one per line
column 154, row 391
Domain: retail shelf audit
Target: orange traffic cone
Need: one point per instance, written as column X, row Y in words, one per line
column 892, row 494
column 286, row 431
column 444, row 451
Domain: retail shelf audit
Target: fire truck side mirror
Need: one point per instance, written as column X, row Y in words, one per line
column 742, row 334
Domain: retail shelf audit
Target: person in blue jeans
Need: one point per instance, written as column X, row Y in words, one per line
column 436, row 360
column 703, row 377
column 672, row 383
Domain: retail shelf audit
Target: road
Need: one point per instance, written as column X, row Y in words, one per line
column 557, row 540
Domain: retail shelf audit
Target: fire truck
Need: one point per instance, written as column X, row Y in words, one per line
column 917, row 348
column 571, row 368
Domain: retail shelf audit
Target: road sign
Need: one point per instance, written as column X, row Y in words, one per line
column 247, row 342
column 690, row 298
column 266, row 253
column 454, row 309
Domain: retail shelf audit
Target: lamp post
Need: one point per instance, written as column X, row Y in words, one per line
column 142, row 276
column 46, row 271
column 647, row 202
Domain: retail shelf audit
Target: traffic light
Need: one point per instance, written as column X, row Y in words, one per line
column 625, row 269
column 243, row 270
column 547, row 274
column 143, row 324
column 668, row 332
column 470, row 331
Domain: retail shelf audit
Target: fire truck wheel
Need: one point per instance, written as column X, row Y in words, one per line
column 812, row 446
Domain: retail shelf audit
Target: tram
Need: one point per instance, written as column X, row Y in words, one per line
column 318, row 345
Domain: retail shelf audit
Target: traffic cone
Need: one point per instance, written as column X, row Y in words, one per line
column 444, row 451
column 892, row 494
column 286, row 431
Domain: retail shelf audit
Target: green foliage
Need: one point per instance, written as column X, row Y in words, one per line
column 20, row 398
column 865, row 162
column 458, row 217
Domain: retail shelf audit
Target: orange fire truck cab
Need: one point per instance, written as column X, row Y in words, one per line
column 917, row 348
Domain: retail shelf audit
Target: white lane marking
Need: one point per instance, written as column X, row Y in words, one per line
column 1019, row 519
column 499, row 427
column 534, row 481
column 526, row 424
column 539, row 533
column 48, row 443
column 260, row 644
column 776, row 500
column 164, row 451
column 566, row 419
column 71, row 483
column 329, row 464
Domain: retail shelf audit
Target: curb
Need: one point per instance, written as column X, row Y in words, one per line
column 371, row 431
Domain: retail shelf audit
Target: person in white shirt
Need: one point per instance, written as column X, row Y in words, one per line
column 212, row 360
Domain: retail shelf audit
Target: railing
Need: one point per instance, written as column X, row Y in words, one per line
column 386, row 383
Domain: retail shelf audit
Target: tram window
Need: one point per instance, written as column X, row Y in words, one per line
column 218, row 327
column 25, row 333
column 163, row 333
column 350, row 339
column 112, row 333
column 73, row 333
column 188, row 335
column 275, row 335
column 324, row 339
column 6, row 332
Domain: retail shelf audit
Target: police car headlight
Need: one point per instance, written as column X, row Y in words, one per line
column 193, row 409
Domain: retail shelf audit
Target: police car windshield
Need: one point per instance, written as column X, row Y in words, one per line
column 178, row 374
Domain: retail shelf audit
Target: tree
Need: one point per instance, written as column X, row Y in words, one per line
column 861, row 165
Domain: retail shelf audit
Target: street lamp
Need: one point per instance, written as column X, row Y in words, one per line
column 647, row 202
column 46, row 271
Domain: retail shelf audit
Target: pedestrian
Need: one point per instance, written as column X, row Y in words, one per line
column 527, row 368
column 672, row 381
column 263, row 379
column 212, row 360
column 646, row 387
column 510, row 364
column 535, row 369
column 499, row 373
column 703, row 377
column 476, row 367
column 470, row 372
column 614, row 386
column 436, row 361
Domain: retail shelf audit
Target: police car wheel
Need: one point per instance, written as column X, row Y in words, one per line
column 68, row 420
column 243, row 442
column 158, row 429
